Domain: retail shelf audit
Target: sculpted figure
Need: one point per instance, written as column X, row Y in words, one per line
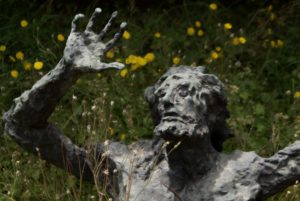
column 182, row 163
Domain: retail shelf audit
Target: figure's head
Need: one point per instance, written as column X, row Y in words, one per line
column 187, row 103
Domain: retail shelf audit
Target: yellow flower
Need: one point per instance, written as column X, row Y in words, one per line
column 126, row 35
column 135, row 61
column 214, row 55
column 272, row 16
column 27, row 65
column 213, row 6
column 279, row 43
column 122, row 137
column 218, row 49
column 190, row 31
column 60, row 37
column 12, row 59
column 235, row 41
column 242, row 40
column 124, row 72
column 270, row 31
column 20, row 55
column 24, row 23
column 297, row 94
column 14, row 73
column 110, row 54
column 119, row 60
column 176, row 60
column 111, row 130
column 149, row 57
column 198, row 24
column 200, row 32
column 157, row 35
column 2, row 48
column 38, row 65
column 228, row 26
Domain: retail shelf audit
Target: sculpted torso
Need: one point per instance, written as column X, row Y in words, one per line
column 182, row 163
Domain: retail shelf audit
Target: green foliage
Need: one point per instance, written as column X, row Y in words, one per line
column 257, row 59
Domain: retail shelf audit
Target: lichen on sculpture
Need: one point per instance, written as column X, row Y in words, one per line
column 183, row 161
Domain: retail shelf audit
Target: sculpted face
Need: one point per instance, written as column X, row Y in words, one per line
column 180, row 107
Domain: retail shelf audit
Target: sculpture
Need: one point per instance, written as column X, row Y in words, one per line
column 182, row 162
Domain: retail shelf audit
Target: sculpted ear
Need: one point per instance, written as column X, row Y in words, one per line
column 149, row 95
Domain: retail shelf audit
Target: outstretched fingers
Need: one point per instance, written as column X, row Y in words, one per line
column 108, row 25
column 91, row 24
column 110, row 44
column 75, row 22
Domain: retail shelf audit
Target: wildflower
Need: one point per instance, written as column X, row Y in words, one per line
column 242, row 40
column 176, row 60
column 126, row 35
column 149, row 57
column 279, row 43
column 14, row 73
column 157, row 35
column 218, row 49
column 270, row 31
column 190, row 31
column 24, row 23
column 272, row 16
column 135, row 61
column 2, row 48
column 228, row 26
column 12, row 59
column 122, row 136
column 213, row 6
column 110, row 54
column 111, row 130
column 38, row 65
column 99, row 75
column 214, row 55
column 235, row 41
column 27, row 65
column 119, row 60
column 124, row 72
column 297, row 94
column 60, row 37
column 200, row 32
column 198, row 24
column 20, row 55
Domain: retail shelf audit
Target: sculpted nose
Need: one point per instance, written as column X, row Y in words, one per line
column 167, row 102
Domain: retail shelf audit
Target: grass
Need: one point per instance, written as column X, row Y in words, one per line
column 261, row 77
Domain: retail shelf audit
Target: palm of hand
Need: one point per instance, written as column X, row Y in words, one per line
column 84, row 49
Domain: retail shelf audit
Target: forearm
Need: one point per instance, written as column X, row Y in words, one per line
column 281, row 170
column 34, row 106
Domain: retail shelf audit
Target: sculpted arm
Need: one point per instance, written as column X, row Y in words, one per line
column 27, row 119
column 281, row 170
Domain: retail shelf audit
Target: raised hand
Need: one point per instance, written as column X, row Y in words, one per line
column 84, row 49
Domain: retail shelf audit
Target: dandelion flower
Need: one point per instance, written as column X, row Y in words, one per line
column 190, row 31
column 218, row 49
column 14, row 73
column 2, row 48
column 228, row 26
column 272, row 16
column 213, row 6
column 126, row 35
column 149, row 57
column 157, row 35
column 176, row 60
column 297, row 94
column 24, row 23
column 60, row 37
column 242, row 40
column 198, row 24
column 110, row 54
column 214, row 55
column 124, row 72
column 235, row 41
column 122, row 137
column 20, row 55
column 38, row 65
column 279, row 43
column 27, row 65
column 200, row 32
